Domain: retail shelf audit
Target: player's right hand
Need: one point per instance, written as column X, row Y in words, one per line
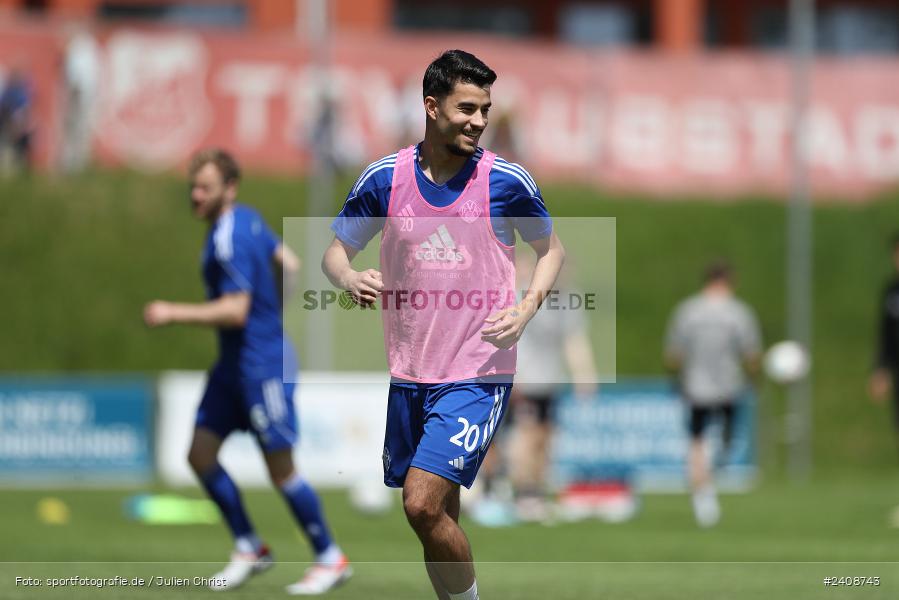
column 365, row 286
column 157, row 313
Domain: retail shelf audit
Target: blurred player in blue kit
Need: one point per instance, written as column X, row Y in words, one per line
column 246, row 390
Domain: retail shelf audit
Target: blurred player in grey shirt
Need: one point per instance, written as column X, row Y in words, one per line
column 713, row 341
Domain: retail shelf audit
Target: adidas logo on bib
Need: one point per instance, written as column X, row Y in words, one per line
column 439, row 247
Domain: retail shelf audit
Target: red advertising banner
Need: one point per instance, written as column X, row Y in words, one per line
column 717, row 124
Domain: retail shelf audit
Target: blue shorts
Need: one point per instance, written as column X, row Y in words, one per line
column 445, row 429
column 263, row 406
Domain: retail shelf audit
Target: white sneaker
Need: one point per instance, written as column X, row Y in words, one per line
column 321, row 578
column 706, row 508
column 532, row 509
column 243, row 565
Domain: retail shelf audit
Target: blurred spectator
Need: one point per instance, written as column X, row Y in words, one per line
column 886, row 367
column 554, row 350
column 82, row 78
column 336, row 149
column 16, row 125
column 713, row 339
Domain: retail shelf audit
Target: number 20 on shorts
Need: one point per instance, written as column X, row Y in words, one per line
column 469, row 435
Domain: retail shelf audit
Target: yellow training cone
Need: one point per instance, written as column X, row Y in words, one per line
column 52, row 511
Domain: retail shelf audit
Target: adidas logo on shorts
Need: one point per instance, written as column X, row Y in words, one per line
column 458, row 462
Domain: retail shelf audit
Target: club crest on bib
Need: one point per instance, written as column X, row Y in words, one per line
column 470, row 211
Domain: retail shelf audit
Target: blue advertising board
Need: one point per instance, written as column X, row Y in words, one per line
column 76, row 430
column 635, row 430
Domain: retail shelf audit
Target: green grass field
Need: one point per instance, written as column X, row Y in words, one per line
column 80, row 257
column 778, row 542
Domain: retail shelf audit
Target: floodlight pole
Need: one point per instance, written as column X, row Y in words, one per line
column 313, row 20
column 798, row 420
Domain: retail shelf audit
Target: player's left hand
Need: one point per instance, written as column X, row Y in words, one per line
column 505, row 327
column 158, row 313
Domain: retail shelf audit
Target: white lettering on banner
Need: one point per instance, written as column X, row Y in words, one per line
column 877, row 140
column 640, row 132
column 643, row 134
column 767, row 124
column 662, row 134
column 640, row 411
column 60, row 425
column 378, row 92
column 38, row 410
column 626, row 447
column 253, row 85
column 709, row 140
column 569, row 122
column 824, row 145
column 111, row 443
column 155, row 110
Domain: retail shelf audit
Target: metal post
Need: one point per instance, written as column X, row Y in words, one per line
column 319, row 330
column 799, row 240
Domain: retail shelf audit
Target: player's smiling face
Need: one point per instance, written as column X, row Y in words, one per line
column 461, row 117
column 209, row 194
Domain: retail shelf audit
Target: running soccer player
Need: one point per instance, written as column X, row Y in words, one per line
column 713, row 339
column 245, row 389
column 448, row 211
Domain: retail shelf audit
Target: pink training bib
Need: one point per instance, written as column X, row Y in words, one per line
column 444, row 273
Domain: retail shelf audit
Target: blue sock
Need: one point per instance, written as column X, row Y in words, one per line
column 225, row 494
column 307, row 510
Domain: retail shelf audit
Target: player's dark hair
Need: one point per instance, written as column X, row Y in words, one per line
column 452, row 67
column 222, row 160
column 718, row 270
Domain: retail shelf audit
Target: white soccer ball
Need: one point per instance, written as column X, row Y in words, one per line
column 786, row 362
